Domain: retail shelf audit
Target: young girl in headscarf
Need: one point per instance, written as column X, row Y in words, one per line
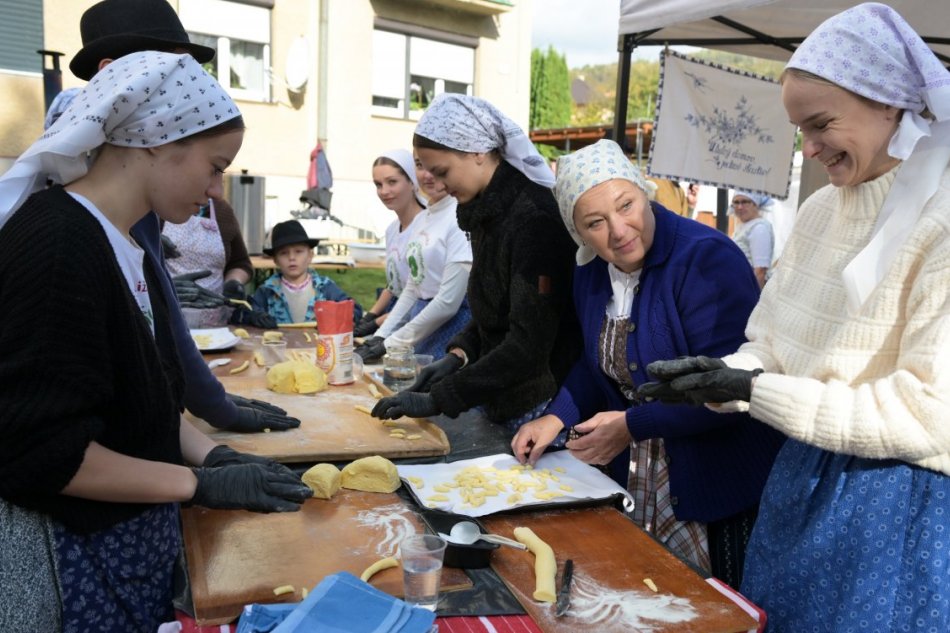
column 394, row 176
column 92, row 466
column 847, row 350
column 523, row 335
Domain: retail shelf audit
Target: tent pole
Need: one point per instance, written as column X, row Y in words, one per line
column 722, row 211
column 625, row 46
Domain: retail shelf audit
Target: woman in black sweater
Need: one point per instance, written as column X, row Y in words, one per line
column 93, row 463
column 523, row 336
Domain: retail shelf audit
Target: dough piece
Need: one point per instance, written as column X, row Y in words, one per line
column 241, row 333
column 371, row 474
column 279, row 591
column 363, row 409
column 295, row 376
column 374, row 391
column 241, row 367
column 273, row 336
column 545, row 567
column 384, row 563
column 323, row 479
column 258, row 359
column 413, row 436
column 652, row 585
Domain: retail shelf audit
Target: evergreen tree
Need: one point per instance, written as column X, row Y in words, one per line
column 550, row 94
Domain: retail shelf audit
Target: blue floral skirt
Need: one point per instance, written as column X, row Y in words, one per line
column 847, row 544
column 436, row 342
column 120, row 578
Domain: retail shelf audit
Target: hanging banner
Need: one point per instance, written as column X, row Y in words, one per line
column 722, row 127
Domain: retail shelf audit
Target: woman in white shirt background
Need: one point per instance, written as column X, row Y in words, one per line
column 394, row 175
column 431, row 308
column 754, row 234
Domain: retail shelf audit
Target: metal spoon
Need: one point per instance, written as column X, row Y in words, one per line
column 466, row 533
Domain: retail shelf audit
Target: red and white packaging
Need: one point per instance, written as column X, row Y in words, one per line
column 335, row 340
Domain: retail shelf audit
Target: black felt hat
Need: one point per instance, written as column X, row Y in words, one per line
column 286, row 233
column 113, row 28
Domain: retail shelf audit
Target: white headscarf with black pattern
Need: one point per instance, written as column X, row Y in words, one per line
column 872, row 51
column 470, row 124
column 144, row 99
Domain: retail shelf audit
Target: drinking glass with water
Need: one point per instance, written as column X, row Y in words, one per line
column 421, row 556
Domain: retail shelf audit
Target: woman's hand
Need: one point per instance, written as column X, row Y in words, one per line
column 605, row 436
column 531, row 439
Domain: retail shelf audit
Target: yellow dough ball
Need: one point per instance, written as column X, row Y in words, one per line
column 371, row 474
column 323, row 479
column 296, row 376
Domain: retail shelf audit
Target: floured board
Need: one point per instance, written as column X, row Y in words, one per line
column 237, row 558
column 612, row 557
column 331, row 429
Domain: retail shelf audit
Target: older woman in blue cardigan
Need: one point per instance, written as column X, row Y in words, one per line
column 652, row 285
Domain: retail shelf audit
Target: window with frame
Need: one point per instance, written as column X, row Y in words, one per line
column 410, row 70
column 21, row 35
column 240, row 34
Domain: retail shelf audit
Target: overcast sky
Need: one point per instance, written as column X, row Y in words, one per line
column 584, row 30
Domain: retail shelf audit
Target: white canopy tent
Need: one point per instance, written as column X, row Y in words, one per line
column 770, row 29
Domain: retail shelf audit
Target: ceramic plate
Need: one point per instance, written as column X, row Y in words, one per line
column 214, row 339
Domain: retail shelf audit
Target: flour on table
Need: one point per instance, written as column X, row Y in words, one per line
column 593, row 603
column 393, row 519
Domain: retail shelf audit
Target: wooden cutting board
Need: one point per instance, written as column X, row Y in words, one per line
column 237, row 558
column 612, row 557
column 331, row 429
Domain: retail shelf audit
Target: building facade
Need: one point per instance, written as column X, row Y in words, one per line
column 354, row 75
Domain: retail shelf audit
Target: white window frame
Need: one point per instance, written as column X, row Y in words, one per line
column 226, row 21
column 393, row 52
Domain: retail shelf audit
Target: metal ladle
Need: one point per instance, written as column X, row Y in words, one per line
column 466, row 533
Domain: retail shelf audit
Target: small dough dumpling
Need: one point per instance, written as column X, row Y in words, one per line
column 371, row 474
column 296, row 376
column 323, row 479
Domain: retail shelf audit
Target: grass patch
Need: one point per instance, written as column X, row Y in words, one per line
column 359, row 283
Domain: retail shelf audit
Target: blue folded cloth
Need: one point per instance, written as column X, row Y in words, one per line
column 341, row 603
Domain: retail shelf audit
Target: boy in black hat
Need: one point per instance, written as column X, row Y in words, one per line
column 111, row 29
column 289, row 294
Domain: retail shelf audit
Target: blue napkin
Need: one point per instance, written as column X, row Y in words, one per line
column 342, row 603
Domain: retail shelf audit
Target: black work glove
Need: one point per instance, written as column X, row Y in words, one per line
column 191, row 295
column 414, row 405
column 254, row 318
column 257, row 415
column 669, row 369
column 234, row 289
column 367, row 325
column 169, row 249
column 252, row 487
column 372, row 349
column 697, row 380
column 223, row 455
column 434, row 372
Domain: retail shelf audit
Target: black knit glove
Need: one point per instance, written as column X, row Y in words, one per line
column 256, row 415
column 414, row 405
column 168, row 248
column 191, row 295
column 372, row 349
column 254, row 487
column 234, row 289
column 434, row 372
column 367, row 325
column 223, row 455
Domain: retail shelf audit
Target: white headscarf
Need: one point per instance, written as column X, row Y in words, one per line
column 586, row 168
column 144, row 99
column 470, row 124
column 870, row 50
column 404, row 159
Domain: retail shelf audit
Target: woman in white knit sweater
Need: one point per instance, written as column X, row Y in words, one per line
column 848, row 347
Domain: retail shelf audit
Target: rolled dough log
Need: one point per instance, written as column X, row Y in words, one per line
column 545, row 567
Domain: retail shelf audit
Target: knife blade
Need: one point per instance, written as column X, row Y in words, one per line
column 564, row 593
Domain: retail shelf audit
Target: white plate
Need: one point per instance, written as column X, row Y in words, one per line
column 214, row 339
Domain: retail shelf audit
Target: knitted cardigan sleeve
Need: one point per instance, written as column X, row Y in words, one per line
column 896, row 412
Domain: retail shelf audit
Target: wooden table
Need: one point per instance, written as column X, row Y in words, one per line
column 612, row 557
column 331, row 428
